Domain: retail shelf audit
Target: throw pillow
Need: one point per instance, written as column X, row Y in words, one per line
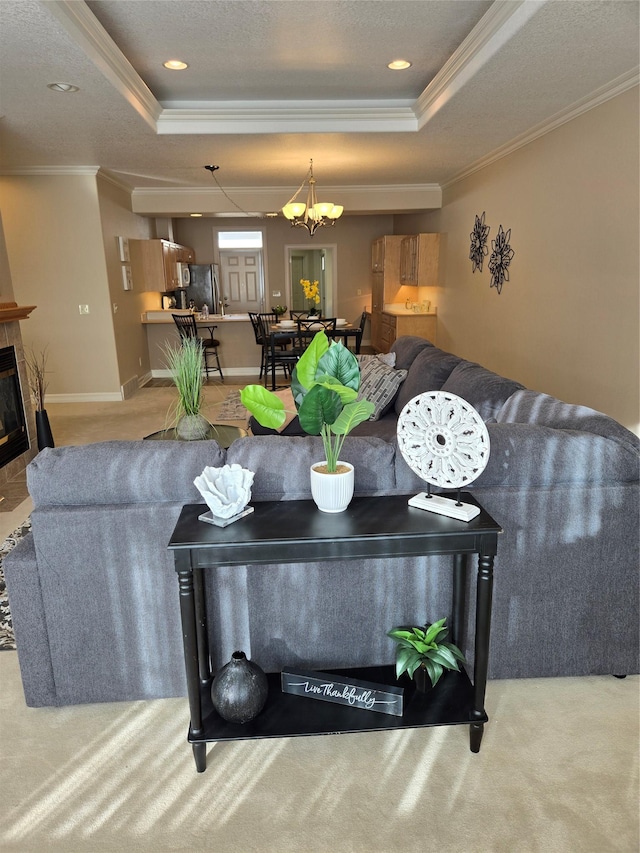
column 379, row 384
column 388, row 358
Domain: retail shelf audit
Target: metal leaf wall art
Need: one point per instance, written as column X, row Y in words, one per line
column 478, row 250
column 501, row 257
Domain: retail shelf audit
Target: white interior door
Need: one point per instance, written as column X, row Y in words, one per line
column 242, row 279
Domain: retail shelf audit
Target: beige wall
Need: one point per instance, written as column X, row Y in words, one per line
column 60, row 237
column 567, row 321
column 54, row 243
column 131, row 341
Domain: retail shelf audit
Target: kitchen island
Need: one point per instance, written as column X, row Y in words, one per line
column 239, row 354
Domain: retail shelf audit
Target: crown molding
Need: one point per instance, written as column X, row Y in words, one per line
column 500, row 23
column 290, row 117
column 51, row 170
column 612, row 89
column 85, row 29
column 167, row 201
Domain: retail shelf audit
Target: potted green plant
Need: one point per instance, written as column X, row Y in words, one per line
column 424, row 653
column 279, row 310
column 324, row 386
column 185, row 364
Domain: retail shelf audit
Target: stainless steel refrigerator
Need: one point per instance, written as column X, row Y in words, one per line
column 204, row 287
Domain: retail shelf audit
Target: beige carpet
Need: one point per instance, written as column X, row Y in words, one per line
column 557, row 772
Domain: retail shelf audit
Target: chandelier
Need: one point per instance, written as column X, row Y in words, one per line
column 313, row 214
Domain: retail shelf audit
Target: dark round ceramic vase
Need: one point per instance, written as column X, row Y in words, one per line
column 239, row 690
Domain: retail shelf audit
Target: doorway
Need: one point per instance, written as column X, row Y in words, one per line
column 317, row 264
column 241, row 270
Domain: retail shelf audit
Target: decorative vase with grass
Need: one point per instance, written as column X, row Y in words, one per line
column 324, row 386
column 424, row 653
column 36, row 375
column 185, row 364
column 279, row 310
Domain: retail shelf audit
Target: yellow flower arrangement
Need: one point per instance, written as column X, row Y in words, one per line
column 311, row 290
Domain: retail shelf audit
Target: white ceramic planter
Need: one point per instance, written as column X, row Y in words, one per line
column 332, row 492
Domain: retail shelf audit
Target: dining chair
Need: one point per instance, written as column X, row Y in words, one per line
column 309, row 327
column 356, row 333
column 283, row 349
column 188, row 328
column 303, row 315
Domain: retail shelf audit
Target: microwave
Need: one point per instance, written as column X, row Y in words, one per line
column 184, row 275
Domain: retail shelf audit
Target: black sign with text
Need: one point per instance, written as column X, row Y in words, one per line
column 384, row 699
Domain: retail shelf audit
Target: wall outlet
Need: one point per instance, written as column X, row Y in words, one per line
column 115, row 307
column 358, row 292
column 84, row 309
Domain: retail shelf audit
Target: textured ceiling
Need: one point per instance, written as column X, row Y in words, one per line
column 272, row 83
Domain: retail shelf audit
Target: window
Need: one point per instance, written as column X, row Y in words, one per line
column 240, row 239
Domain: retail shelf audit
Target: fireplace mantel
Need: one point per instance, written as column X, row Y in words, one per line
column 11, row 311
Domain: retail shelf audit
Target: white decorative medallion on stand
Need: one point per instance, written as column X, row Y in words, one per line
column 444, row 440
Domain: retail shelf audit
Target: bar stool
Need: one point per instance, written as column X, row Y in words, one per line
column 188, row 328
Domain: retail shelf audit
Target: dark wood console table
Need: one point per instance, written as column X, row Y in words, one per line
column 371, row 527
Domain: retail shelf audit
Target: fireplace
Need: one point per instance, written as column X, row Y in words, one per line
column 14, row 439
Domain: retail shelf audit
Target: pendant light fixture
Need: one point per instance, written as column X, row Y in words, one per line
column 313, row 214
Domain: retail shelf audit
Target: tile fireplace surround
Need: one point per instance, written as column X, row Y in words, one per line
column 10, row 335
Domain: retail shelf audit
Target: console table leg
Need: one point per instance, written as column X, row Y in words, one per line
column 200, row 756
column 457, row 616
column 476, row 730
column 483, row 627
column 188, row 619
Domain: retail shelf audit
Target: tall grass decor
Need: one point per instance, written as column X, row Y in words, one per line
column 185, row 363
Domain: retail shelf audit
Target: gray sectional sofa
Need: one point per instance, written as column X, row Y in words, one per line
column 94, row 595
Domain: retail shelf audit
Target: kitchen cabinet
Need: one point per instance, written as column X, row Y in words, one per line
column 393, row 326
column 420, row 260
column 153, row 263
column 385, row 282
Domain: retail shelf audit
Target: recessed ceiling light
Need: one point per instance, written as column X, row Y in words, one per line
column 175, row 65
column 62, row 87
column 399, row 65
column 195, row 215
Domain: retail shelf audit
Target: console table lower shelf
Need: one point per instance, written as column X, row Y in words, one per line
column 450, row 702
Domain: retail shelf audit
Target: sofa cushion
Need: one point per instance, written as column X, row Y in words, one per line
column 429, row 371
column 486, row 391
column 379, row 384
column 282, row 467
column 406, row 348
column 119, row 472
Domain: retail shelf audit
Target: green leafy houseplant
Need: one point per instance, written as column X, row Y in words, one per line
column 324, row 385
column 427, row 648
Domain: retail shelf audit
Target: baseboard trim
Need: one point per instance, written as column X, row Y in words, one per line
column 228, row 371
column 98, row 397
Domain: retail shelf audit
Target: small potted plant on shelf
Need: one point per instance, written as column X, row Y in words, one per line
column 185, row 364
column 324, row 386
column 423, row 653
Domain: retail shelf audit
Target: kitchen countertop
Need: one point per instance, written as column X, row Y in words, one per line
column 164, row 316
column 403, row 312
